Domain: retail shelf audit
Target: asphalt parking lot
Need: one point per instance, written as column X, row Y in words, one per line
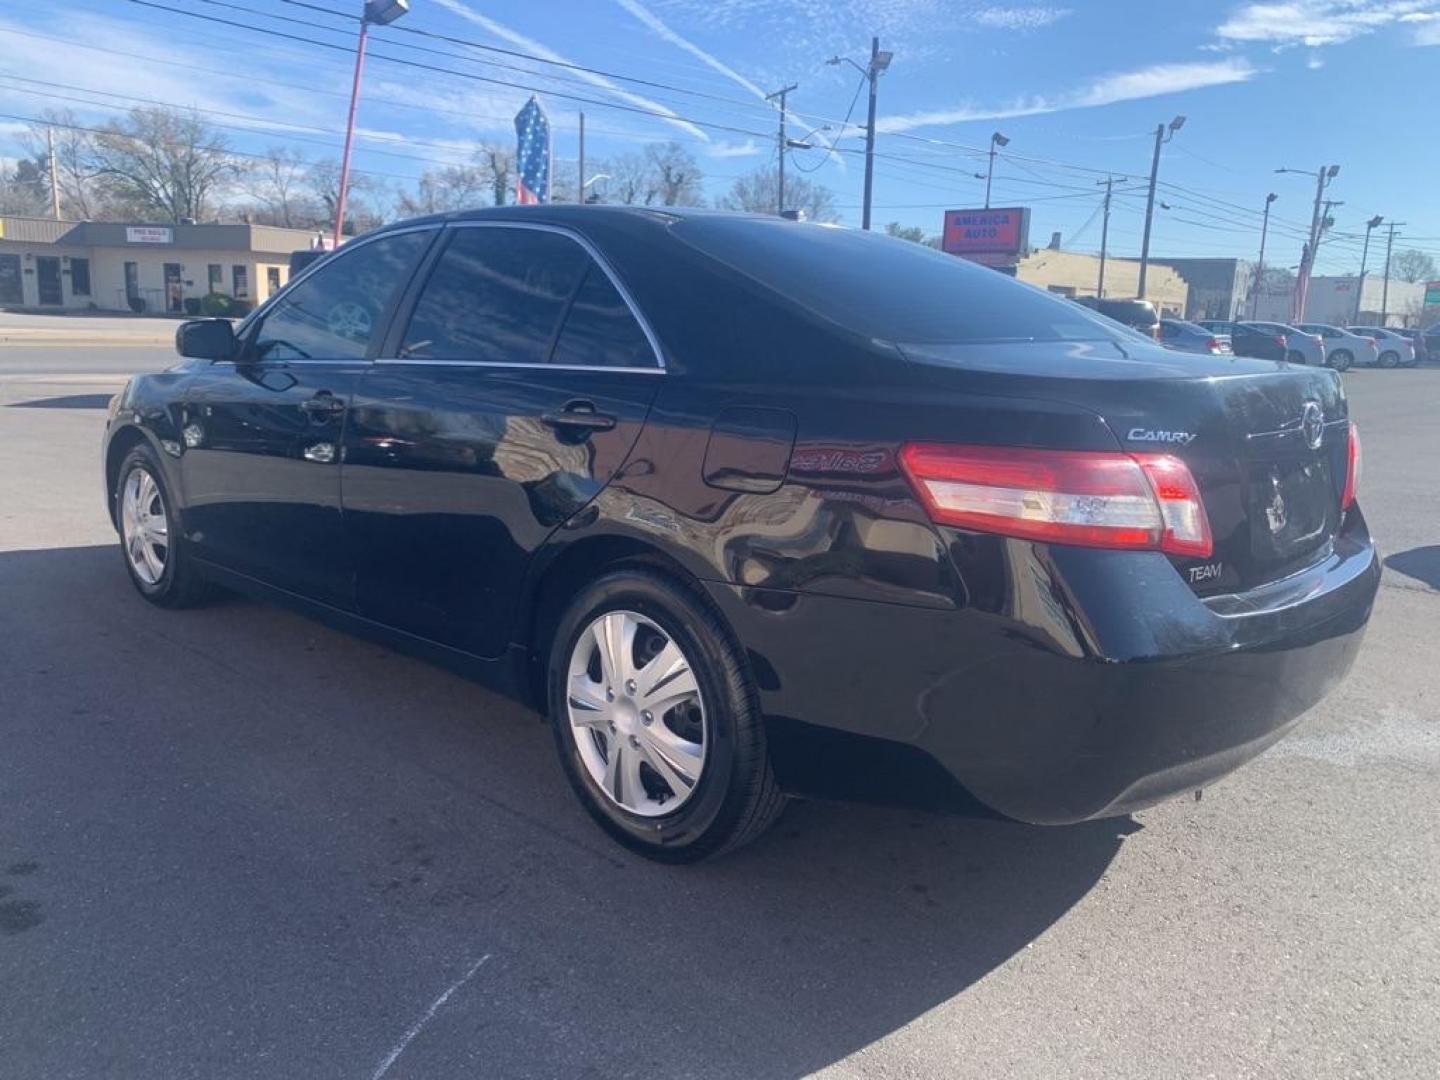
column 234, row 843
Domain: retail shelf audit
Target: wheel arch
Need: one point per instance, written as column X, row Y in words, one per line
column 121, row 443
column 558, row 576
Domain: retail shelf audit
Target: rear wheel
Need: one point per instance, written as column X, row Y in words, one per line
column 1390, row 358
column 150, row 540
column 1341, row 359
column 656, row 722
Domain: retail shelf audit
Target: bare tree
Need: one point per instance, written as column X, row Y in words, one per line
column 1412, row 265
column 757, row 192
column 629, row 181
column 279, row 182
column 362, row 205
column 23, row 187
column 905, row 232
column 674, row 175
column 498, row 165
column 74, row 163
column 453, row 187
column 163, row 162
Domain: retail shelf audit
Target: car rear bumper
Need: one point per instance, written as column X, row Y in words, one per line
column 1099, row 686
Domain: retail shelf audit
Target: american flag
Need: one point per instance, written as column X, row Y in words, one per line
column 532, row 157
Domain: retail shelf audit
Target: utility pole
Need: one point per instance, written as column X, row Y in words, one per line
column 879, row 61
column 1260, row 262
column 1109, row 183
column 781, row 94
column 1370, row 226
column 1385, row 289
column 1161, row 138
column 54, row 175
column 995, row 140
column 1326, row 174
column 580, row 176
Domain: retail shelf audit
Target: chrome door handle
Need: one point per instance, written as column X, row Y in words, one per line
column 579, row 415
column 324, row 404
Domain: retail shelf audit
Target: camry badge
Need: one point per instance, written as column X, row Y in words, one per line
column 1312, row 424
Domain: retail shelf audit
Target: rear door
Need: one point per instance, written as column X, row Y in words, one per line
column 509, row 394
column 262, row 435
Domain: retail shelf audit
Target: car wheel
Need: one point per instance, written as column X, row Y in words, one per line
column 656, row 720
column 150, row 540
column 1341, row 360
column 1390, row 358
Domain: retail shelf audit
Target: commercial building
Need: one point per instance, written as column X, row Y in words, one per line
column 1341, row 302
column 1074, row 274
column 1219, row 288
column 115, row 266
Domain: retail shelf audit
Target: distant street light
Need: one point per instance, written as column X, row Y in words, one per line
column 879, row 62
column 1160, row 139
column 1370, row 226
column 995, row 140
column 381, row 13
column 1260, row 262
column 1323, row 177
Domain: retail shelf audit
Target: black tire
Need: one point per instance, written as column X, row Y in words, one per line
column 736, row 797
column 1389, row 359
column 1341, row 360
column 179, row 586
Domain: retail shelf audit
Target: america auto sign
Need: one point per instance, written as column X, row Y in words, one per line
column 1000, row 231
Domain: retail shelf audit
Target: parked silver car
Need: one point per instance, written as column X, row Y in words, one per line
column 1192, row 337
column 1395, row 350
column 1300, row 347
column 1342, row 348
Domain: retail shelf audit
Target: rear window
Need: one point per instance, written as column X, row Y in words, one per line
column 888, row 289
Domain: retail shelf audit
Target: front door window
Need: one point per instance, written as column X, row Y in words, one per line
column 174, row 288
column 47, row 274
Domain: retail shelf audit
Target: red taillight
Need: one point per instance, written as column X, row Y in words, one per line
column 1146, row 502
column 1213, row 344
column 1352, row 469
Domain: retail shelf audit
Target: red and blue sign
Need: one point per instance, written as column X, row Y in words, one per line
column 1000, row 231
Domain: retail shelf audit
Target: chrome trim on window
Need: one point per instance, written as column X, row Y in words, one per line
column 421, row 362
column 604, row 264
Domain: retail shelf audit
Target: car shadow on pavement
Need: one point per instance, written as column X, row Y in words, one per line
column 352, row 827
column 1421, row 563
column 69, row 401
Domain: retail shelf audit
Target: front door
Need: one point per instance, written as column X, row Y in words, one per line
column 262, row 435
column 503, row 406
column 174, row 290
column 47, row 276
column 12, row 289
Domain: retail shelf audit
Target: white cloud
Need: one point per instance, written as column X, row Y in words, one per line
column 530, row 45
column 661, row 30
column 1153, row 81
column 1019, row 18
column 1315, row 23
column 1428, row 30
column 733, row 150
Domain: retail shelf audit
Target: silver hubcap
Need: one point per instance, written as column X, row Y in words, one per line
column 636, row 714
column 142, row 526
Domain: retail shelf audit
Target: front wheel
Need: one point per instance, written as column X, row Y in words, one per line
column 656, row 721
column 1341, row 360
column 150, row 538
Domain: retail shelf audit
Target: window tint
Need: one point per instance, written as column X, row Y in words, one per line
column 891, row 290
column 336, row 312
column 600, row 330
column 496, row 295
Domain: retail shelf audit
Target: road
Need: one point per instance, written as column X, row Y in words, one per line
column 234, row 843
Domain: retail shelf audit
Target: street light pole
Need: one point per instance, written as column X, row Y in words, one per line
column 1109, row 183
column 1385, row 289
column 1161, row 138
column 1000, row 140
column 879, row 61
column 1323, row 178
column 1370, row 226
column 381, row 13
column 1260, row 262
column 580, row 172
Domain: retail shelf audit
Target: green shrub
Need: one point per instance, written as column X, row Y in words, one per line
column 215, row 303
column 192, row 305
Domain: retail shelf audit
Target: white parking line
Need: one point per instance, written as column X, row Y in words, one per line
column 435, row 1005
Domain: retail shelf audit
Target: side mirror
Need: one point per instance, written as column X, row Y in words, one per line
column 206, row 339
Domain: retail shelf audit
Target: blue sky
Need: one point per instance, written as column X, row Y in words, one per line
column 1077, row 86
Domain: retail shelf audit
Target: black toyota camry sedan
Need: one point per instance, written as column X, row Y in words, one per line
column 752, row 508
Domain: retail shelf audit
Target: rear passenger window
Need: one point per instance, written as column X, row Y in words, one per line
column 338, row 310
column 496, row 295
column 600, row 330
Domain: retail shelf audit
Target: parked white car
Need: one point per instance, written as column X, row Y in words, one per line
column 1395, row 349
column 1343, row 349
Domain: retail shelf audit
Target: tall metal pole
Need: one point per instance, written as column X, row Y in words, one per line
column 1104, row 236
column 873, row 74
column 1150, row 210
column 780, row 188
column 1260, row 262
column 1302, row 285
column 989, row 173
column 350, row 131
column 1385, row 289
column 54, row 175
column 580, row 179
column 1370, row 227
